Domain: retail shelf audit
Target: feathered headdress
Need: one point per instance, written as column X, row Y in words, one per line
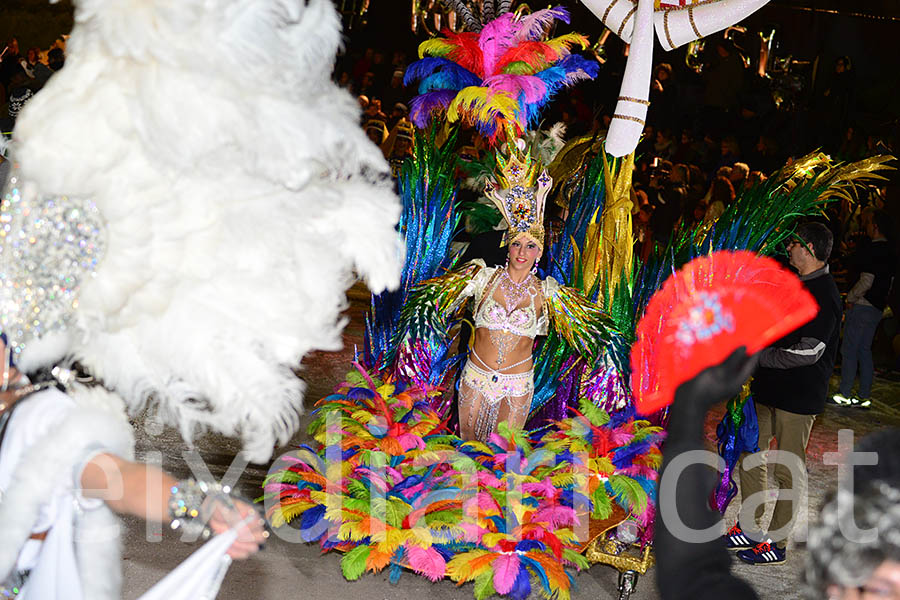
column 503, row 75
column 520, row 192
column 227, row 250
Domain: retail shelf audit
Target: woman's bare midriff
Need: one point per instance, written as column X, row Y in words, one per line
column 487, row 351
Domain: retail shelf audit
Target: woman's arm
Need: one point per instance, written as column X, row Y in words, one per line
column 144, row 491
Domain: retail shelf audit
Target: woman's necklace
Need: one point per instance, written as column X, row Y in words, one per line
column 513, row 293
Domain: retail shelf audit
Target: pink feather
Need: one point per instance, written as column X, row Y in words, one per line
column 486, row 502
column 555, row 516
column 533, row 26
column 533, row 88
column 638, row 470
column 472, row 532
column 542, row 488
column 500, row 441
column 620, row 437
column 486, row 479
column 506, row 569
column 495, row 39
column 426, row 561
column 409, row 441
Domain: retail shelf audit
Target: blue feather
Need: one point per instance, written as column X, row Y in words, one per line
column 449, row 79
column 396, row 569
column 624, row 456
column 499, row 522
column 431, row 65
column 526, row 545
column 522, row 587
column 574, row 63
column 536, row 568
column 313, row 524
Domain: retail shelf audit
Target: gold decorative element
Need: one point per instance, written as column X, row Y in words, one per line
column 628, row 118
column 625, row 20
column 608, row 9
column 520, row 190
column 693, row 23
column 632, row 558
column 635, row 100
column 666, row 29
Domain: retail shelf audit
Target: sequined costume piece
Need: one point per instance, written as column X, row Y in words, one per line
column 486, row 392
column 483, row 391
column 48, row 246
column 523, row 321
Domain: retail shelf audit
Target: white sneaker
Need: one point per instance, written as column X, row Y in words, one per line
column 841, row 400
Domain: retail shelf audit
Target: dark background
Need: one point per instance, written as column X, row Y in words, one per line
column 813, row 31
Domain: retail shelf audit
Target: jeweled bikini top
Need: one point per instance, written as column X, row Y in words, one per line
column 491, row 314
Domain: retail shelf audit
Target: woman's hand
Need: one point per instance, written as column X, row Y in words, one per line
column 249, row 524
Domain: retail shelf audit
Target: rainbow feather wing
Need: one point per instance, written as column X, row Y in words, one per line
column 586, row 328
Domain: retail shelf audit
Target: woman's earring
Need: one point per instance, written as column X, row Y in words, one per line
column 534, row 268
column 506, row 266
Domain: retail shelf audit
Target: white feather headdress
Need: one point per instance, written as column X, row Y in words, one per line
column 238, row 194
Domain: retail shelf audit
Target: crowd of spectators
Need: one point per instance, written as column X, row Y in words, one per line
column 23, row 75
column 713, row 130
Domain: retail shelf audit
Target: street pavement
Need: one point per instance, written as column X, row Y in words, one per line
column 286, row 570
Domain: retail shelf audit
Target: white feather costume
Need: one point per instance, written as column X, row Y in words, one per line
column 238, row 193
column 191, row 199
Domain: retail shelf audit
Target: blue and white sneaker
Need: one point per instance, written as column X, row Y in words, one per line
column 736, row 539
column 764, row 553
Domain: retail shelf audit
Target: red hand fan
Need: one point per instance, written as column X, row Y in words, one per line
column 707, row 310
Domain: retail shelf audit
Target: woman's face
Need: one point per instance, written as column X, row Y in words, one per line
column 523, row 254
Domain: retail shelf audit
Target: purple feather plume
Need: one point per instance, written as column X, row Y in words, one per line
column 422, row 107
column 532, row 27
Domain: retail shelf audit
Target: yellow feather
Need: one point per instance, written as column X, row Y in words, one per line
column 479, row 104
column 492, row 539
column 462, row 567
column 288, row 512
column 363, row 416
column 421, row 536
column 435, row 47
column 563, row 43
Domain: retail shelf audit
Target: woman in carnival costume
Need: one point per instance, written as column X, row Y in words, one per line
column 512, row 305
column 184, row 239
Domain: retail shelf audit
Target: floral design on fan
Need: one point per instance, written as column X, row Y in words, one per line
column 704, row 320
column 521, row 207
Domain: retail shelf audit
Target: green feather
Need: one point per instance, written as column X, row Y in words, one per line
column 396, row 511
column 602, row 504
column 357, row 489
column 353, row 564
column 629, row 492
column 484, row 585
column 576, row 559
column 596, row 415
